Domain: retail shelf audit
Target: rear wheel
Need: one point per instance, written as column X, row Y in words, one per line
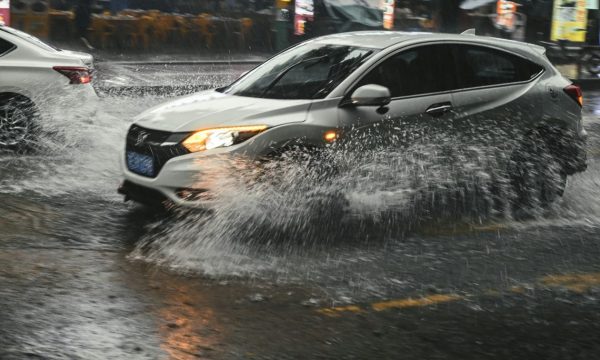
column 18, row 118
column 537, row 176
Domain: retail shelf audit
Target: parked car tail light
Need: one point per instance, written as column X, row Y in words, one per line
column 77, row 75
column 575, row 93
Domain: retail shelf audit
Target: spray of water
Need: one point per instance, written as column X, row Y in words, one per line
column 336, row 213
column 285, row 214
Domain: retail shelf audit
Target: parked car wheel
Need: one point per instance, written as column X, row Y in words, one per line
column 18, row 123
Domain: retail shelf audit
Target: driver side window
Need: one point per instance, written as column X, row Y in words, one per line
column 421, row 70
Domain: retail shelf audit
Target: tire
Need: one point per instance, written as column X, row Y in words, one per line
column 592, row 64
column 538, row 178
column 18, row 123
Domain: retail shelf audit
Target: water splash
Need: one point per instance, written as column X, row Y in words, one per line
column 263, row 215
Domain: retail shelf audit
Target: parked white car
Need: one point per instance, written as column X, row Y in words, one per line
column 35, row 80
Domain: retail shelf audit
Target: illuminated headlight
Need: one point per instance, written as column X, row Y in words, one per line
column 221, row 137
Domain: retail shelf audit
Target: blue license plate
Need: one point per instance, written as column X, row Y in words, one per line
column 140, row 163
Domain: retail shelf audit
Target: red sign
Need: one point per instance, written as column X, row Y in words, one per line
column 304, row 12
column 506, row 14
column 388, row 14
column 5, row 12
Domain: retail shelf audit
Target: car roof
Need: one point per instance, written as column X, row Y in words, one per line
column 384, row 39
column 370, row 39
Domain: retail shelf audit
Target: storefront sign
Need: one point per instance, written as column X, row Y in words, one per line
column 304, row 12
column 569, row 20
column 505, row 14
column 388, row 14
column 5, row 12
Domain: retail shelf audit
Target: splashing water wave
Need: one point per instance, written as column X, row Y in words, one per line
column 289, row 216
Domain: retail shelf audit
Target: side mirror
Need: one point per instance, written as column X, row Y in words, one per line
column 370, row 95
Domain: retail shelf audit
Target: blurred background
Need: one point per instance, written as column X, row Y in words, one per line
column 267, row 26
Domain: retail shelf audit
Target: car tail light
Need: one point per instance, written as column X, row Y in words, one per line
column 575, row 93
column 77, row 74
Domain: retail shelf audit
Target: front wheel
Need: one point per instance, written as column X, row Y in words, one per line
column 18, row 118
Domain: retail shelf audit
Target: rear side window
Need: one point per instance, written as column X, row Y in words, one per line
column 5, row 47
column 421, row 70
column 481, row 66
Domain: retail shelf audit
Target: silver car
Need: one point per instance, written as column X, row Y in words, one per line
column 337, row 87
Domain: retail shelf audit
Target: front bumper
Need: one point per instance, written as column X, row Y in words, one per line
column 194, row 179
column 143, row 195
column 197, row 173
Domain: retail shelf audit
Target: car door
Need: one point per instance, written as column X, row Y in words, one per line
column 499, row 98
column 420, row 80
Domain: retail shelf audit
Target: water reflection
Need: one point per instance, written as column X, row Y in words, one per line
column 188, row 328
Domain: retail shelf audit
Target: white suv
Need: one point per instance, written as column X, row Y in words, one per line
column 35, row 79
column 366, row 87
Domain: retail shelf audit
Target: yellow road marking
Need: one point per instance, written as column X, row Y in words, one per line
column 461, row 229
column 518, row 289
column 337, row 310
column 578, row 283
column 392, row 304
column 490, row 228
column 423, row 301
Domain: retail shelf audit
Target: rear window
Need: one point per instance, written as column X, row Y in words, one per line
column 481, row 66
column 30, row 39
column 5, row 47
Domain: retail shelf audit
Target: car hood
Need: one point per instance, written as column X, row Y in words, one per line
column 210, row 109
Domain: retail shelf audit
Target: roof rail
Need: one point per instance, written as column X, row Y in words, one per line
column 468, row 32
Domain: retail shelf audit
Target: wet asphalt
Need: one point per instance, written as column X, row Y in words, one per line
column 73, row 287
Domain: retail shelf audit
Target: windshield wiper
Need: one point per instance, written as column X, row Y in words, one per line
column 288, row 69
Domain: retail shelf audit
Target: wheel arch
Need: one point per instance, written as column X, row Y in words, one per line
column 8, row 95
column 562, row 140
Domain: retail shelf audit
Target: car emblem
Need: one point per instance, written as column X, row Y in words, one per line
column 141, row 138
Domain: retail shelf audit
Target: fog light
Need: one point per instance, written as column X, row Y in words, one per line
column 330, row 136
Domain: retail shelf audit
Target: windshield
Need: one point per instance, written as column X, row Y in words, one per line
column 307, row 71
column 30, row 39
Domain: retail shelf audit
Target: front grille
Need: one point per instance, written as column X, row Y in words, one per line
column 151, row 142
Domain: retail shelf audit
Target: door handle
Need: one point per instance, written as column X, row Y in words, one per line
column 437, row 110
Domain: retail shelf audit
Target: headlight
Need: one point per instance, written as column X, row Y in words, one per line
column 220, row 137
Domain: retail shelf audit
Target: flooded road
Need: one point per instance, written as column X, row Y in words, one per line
column 85, row 276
